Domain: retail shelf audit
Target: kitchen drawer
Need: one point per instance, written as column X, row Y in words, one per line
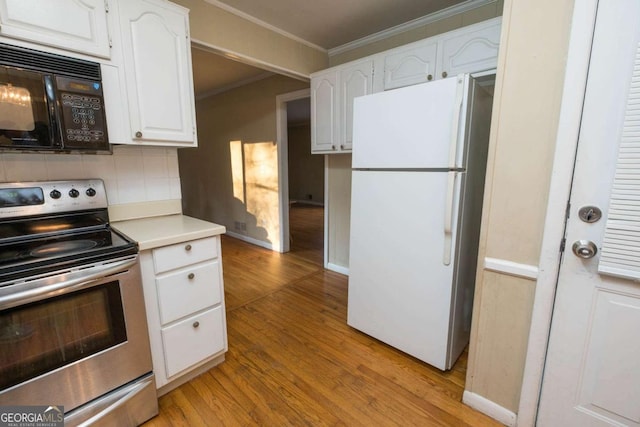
column 188, row 290
column 182, row 254
column 192, row 340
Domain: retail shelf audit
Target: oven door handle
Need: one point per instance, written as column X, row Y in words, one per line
column 52, row 286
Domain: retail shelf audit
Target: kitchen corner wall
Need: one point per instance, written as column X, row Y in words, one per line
column 232, row 177
column 529, row 85
column 131, row 174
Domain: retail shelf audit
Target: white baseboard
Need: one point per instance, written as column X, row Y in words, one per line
column 337, row 268
column 266, row 245
column 489, row 408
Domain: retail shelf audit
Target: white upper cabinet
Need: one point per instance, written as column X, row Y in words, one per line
column 469, row 51
column 355, row 80
column 157, row 69
column 74, row 25
column 410, row 65
column 332, row 94
column 324, row 112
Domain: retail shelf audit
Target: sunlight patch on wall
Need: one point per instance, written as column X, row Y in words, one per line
column 261, row 174
column 237, row 169
column 254, row 172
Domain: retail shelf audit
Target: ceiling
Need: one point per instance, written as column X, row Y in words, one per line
column 332, row 23
column 324, row 23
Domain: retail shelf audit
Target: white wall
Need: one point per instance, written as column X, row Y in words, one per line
column 529, row 85
column 131, row 174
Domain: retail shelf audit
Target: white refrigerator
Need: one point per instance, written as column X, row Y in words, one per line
column 419, row 156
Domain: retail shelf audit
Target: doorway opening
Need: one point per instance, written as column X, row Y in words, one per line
column 302, row 186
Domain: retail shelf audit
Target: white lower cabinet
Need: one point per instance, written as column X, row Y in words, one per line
column 192, row 340
column 184, row 298
column 182, row 292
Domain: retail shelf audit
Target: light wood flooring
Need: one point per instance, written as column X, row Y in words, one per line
column 293, row 361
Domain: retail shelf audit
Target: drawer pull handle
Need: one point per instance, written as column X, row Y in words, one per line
column 191, row 276
column 196, row 324
column 187, row 248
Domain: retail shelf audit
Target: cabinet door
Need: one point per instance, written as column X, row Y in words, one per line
column 194, row 339
column 157, row 61
column 411, row 65
column 355, row 80
column 79, row 26
column 469, row 51
column 324, row 106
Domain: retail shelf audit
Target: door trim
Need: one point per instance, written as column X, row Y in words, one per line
column 283, row 162
column 583, row 22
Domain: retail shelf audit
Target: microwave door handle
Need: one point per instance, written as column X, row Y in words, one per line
column 47, row 287
column 50, row 94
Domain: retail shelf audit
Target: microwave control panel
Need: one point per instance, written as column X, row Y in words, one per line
column 82, row 106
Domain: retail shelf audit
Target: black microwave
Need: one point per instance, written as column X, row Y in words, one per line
column 50, row 103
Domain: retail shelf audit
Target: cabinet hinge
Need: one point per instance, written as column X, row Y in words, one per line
column 106, row 6
column 563, row 243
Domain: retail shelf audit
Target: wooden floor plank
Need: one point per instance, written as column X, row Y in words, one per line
column 293, row 360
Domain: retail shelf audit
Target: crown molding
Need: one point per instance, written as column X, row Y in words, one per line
column 407, row 26
column 263, row 24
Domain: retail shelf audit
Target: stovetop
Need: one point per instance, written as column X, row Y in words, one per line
column 51, row 226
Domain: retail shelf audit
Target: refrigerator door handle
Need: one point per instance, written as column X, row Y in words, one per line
column 448, row 218
column 457, row 112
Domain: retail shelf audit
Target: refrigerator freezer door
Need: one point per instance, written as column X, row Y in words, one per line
column 400, row 289
column 418, row 126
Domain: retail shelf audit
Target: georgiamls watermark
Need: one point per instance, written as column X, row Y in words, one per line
column 32, row 416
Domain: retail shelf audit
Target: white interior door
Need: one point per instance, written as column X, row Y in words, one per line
column 592, row 371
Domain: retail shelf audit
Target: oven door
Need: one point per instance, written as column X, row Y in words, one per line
column 69, row 338
column 27, row 110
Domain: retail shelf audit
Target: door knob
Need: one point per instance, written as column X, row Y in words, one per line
column 584, row 249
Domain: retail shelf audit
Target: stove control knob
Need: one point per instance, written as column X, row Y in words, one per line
column 74, row 193
column 90, row 192
column 55, row 194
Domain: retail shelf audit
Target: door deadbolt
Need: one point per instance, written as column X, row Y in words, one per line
column 584, row 249
column 590, row 214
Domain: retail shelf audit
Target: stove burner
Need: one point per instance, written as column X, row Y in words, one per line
column 62, row 248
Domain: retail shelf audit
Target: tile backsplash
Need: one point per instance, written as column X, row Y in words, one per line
column 131, row 174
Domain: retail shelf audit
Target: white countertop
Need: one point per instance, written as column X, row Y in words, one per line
column 165, row 230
